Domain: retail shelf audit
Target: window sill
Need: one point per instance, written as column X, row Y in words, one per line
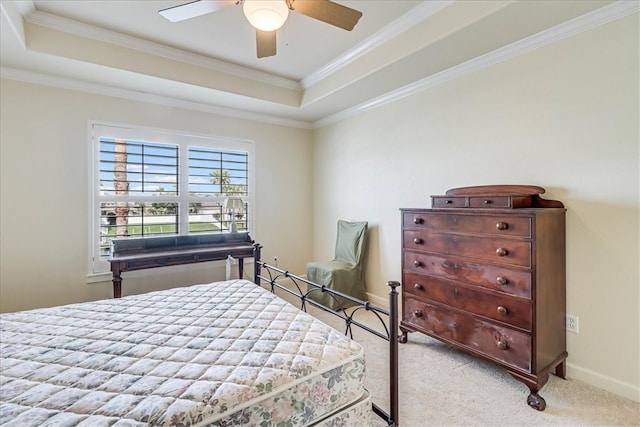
column 99, row 277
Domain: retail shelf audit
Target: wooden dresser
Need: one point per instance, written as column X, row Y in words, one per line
column 484, row 271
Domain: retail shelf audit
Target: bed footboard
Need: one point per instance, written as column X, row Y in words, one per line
column 300, row 288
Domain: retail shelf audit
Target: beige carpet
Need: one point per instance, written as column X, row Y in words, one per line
column 441, row 386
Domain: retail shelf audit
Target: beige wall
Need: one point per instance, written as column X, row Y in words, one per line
column 564, row 117
column 44, row 192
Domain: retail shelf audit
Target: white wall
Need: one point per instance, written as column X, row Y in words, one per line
column 44, row 192
column 564, row 117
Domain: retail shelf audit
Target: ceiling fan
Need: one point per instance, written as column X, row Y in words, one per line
column 267, row 16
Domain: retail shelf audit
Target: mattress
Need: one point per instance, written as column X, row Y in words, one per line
column 357, row 414
column 221, row 354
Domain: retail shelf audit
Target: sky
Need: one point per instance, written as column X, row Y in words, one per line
column 153, row 166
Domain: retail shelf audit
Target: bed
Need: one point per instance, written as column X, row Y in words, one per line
column 221, row 354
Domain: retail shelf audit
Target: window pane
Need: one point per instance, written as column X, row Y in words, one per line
column 130, row 168
column 211, row 217
column 218, row 173
column 206, row 217
column 136, row 219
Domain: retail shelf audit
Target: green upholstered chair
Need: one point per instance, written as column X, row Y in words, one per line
column 345, row 273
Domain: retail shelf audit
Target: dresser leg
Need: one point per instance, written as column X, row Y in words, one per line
column 536, row 401
column 402, row 339
column 561, row 370
column 534, row 384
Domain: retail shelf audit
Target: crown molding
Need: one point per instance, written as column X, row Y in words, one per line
column 389, row 32
column 116, row 92
column 13, row 12
column 586, row 22
column 70, row 26
column 80, row 29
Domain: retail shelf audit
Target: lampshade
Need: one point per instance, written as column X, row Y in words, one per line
column 266, row 15
column 233, row 203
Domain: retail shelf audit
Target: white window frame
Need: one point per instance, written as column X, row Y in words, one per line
column 97, row 267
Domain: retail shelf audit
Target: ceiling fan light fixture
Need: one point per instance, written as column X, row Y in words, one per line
column 266, row 15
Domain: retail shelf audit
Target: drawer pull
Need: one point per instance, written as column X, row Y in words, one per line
column 502, row 345
column 448, row 202
column 417, row 313
column 418, row 241
column 502, row 310
column 417, row 263
column 501, row 280
column 417, row 220
column 418, row 287
column 502, row 252
column 450, row 266
column 502, row 226
column 487, row 202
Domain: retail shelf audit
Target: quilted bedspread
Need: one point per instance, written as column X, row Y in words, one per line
column 221, row 354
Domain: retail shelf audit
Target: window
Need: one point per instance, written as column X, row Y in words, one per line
column 154, row 183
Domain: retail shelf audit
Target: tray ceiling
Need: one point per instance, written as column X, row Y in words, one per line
column 320, row 73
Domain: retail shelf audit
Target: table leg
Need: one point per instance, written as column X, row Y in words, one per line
column 240, row 267
column 117, row 284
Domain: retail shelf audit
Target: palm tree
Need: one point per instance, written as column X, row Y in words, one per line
column 121, row 186
column 220, row 177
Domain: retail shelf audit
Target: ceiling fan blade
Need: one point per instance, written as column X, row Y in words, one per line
column 266, row 43
column 327, row 11
column 195, row 8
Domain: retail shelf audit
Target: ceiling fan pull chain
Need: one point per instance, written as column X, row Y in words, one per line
column 286, row 33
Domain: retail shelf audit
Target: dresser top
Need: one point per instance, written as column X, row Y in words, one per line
column 495, row 196
column 496, row 190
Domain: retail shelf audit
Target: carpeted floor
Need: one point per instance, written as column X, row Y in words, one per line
column 442, row 386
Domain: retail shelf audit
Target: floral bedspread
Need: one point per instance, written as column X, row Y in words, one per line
column 221, row 354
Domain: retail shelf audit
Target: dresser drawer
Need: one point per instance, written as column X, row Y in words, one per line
column 508, row 251
column 449, row 202
column 500, row 202
column 486, row 224
column 501, row 343
column 514, row 282
column 507, row 309
column 482, row 201
column 490, row 202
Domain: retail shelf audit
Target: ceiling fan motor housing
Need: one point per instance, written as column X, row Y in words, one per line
column 266, row 15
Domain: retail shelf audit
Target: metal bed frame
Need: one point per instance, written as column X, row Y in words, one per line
column 275, row 278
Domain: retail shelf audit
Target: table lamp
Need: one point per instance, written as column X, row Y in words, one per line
column 233, row 204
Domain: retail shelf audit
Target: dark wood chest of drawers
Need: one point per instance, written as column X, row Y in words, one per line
column 484, row 271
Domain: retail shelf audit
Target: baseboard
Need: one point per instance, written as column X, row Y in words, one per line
column 288, row 283
column 626, row 390
column 379, row 301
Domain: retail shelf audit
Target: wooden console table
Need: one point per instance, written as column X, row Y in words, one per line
column 151, row 252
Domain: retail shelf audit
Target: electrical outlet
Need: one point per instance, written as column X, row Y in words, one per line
column 275, row 261
column 572, row 323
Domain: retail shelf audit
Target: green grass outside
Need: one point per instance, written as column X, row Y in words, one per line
column 136, row 230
